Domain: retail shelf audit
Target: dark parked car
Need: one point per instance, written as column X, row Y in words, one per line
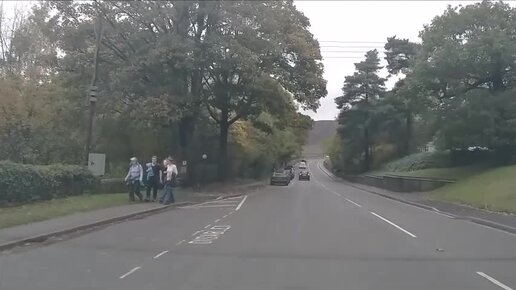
column 280, row 177
column 304, row 175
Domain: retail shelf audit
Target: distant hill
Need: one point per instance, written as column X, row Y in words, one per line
column 321, row 131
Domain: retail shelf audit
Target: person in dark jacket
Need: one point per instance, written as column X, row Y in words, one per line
column 154, row 179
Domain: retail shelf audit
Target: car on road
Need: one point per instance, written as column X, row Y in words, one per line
column 280, row 177
column 302, row 165
column 304, row 175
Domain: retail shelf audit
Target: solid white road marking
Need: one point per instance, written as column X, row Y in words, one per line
column 232, row 212
column 210, row 235
column 216, row 221
column 494, row 281
column 394, row 225
column 207, row 226
column 160, row 254
column 241, row 203
column 349, row 200
column 130, row 272
column 180, row 242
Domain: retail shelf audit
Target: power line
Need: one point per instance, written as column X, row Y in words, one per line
column 344, row 41
column 348, row 51
column 349, row 46
column 351, row 57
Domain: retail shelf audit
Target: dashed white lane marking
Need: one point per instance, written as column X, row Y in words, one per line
column 130, row 272
column 393, row 224
column 241, row 203
column 207, row 226
column 196, row 233
column 216, row 221
column 350, row 201
column 180, row 242
column 336, row 193
column 494, row 281
column 160, row 254
column 225, row 216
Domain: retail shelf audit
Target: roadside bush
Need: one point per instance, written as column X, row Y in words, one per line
column 24, row 183
column 21, row 183
column 68, row 180
column 419, row 161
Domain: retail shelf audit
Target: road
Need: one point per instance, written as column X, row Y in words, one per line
column 317, row 234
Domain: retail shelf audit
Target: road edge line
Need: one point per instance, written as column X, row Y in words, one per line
column 480, row 221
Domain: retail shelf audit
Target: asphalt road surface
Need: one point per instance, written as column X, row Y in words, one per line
column 316, row 234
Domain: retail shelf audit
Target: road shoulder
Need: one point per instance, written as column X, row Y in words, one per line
column 501, row 221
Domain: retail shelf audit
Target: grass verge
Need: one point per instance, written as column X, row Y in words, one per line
column 491, row 190
column 17, row 215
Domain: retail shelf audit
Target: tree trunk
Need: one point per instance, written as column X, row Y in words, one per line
column 186, row 129
column 408, row 134
column 367, row 152
column 223, row 149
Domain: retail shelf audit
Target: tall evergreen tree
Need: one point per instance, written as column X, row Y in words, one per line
column 362, row 91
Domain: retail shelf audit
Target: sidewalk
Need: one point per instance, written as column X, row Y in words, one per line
column 19, row 235
column 502, row 221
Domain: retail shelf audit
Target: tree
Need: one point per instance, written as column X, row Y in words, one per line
column 400, row 55
column 362, row 92
column 467, row 64
column 259, row 55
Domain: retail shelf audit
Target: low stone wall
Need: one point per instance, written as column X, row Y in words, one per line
column 399, row 183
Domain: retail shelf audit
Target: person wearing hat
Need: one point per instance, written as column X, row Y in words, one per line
column 134, row 178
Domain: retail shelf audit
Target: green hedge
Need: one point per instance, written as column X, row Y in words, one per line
column 24, row 183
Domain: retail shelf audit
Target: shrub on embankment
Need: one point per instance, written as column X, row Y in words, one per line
column 20, row 183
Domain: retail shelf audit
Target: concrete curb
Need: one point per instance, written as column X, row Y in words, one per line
column 476, row 220
column 43, row 237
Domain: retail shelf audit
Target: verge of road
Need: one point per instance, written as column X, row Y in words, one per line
column 452, row 210
column 40, row 238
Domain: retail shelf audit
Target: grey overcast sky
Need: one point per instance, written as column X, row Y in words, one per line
column 364, row 25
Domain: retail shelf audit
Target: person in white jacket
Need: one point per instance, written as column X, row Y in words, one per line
column 170, row 181
column 134, row 178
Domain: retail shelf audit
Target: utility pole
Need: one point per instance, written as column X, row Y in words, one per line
column 93, row 86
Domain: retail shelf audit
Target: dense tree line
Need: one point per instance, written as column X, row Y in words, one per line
column 456, row 91
column 174, row 77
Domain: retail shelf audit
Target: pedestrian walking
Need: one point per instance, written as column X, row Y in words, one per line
column 134, row 179
column 154, row 179
column 170, row 180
